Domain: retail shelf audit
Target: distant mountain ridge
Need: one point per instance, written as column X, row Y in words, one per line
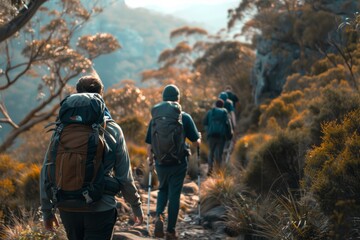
column 143, row 35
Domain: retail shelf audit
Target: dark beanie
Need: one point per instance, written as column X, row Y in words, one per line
column 219, row 103
column 171, row 93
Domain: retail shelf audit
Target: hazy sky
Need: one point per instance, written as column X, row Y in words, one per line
column 169, row 6
column 211, row 13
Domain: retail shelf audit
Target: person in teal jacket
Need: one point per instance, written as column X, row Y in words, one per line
column 171, row 178
column 217, row 127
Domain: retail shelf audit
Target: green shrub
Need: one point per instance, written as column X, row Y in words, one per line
column 332, row 172
column 278, row 165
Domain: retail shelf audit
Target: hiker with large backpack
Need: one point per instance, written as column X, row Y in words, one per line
column 229, row 106
column 86, row 165
column 218, row 131
column 232, row 96
column 167, row 131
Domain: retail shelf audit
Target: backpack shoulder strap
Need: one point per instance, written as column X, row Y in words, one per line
column 105, row 132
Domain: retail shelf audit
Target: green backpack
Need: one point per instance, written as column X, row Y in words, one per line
column 167, row 133
column 219, row 124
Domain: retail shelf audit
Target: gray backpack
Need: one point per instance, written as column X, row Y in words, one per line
column 167, row 133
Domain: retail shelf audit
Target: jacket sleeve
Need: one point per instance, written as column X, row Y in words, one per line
column 191, row 131
column 123, row 173
column 46, row 205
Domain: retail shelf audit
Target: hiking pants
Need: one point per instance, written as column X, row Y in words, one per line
column 171, row 179
column 216, row 145
column 89, row 225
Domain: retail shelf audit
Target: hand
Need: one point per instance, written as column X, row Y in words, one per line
column 50, row 223
column 138, row 221
column 150, row 161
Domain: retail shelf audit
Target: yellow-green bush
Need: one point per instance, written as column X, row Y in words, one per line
column 246, row 149
column 334, row 103
column 29, row 187
column 332, row 172
column 10, row 172
column 278, row 109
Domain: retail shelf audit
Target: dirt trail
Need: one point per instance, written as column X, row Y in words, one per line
column 188, row 226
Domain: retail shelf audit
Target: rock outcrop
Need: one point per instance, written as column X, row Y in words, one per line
column 277, row 53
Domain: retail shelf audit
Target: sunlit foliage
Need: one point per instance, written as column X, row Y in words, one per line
column 332, row 173
column 126, row 102
column 48, row 56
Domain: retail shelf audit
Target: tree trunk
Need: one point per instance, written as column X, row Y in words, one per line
column 20, row 20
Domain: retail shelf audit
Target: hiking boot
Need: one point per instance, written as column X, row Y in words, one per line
column 159, row 227
column 171, row 236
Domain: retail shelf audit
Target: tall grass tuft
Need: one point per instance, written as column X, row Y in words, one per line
column 239, row 211
column 285, row 217
column 27, row 226
column 217, row 190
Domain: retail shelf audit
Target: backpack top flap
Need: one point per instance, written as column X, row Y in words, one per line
column 83, row 108
column 167, row 134
column 167, row 109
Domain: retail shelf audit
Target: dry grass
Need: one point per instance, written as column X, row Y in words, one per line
column 27, row 226
column 218, row 189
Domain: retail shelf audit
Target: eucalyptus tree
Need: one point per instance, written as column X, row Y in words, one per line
column 15, row 14
column 48, row 52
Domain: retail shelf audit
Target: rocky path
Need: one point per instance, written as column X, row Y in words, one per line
column 188, row 226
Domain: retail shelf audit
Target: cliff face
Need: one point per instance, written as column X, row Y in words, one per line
column 279, row 55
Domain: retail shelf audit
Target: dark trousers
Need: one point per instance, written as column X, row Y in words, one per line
column 89, row 225
column 171, row 179
column 216, row 145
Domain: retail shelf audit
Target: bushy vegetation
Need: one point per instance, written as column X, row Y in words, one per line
column 294, row 172
column 278, row 164
column 332, row 173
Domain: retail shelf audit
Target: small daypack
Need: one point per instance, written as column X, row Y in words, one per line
column 219, row 124
column 74, row 174
column 167, row 133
